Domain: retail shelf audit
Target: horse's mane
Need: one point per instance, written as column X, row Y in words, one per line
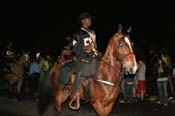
column 108, row 51
column 108, row 63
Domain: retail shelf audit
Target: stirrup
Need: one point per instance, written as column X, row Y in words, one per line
column 77, row 106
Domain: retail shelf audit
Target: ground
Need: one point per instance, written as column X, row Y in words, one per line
column 9, row 107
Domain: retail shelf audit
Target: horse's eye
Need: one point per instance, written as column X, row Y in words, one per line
column 121, row 44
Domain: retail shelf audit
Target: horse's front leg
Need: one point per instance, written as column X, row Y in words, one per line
column 19, row 85
column 103, row 110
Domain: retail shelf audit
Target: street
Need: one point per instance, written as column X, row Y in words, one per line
column 9, row 107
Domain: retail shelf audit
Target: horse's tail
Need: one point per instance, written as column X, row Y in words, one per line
column 45, row 95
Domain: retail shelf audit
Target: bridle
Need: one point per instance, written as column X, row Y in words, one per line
column 122, row 69
column 126, row 55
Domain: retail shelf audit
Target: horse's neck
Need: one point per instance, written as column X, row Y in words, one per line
column 109, row 54
column 16, row 63
column 109, row 67
column 19, row 61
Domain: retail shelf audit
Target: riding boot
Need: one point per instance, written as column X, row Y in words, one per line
column 76, row 84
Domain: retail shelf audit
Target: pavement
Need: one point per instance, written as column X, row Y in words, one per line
column 27, row 107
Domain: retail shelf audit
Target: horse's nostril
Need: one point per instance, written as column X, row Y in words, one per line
column 131, row 71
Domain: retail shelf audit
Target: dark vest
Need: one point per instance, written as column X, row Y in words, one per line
column 82, row 39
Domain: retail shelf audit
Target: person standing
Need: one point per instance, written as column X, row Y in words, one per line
column 141, row 86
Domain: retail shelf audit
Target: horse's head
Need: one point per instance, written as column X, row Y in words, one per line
column 25, row 59
column 123, row 51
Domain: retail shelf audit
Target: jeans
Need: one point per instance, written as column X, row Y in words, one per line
column 129, row 92
column 123, row 86
column 163, row 93
column 34, row 83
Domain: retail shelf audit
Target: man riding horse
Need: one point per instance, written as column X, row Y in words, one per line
column 84, row 48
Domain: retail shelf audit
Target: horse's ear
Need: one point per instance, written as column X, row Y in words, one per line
column 120, row 28
column 129, row 29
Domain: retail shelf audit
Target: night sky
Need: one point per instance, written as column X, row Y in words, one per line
column 44, row 24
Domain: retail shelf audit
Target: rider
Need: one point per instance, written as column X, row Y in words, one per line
column 84, row 47
column 66, row 53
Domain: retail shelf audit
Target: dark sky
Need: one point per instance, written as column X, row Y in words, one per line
column 44, row 24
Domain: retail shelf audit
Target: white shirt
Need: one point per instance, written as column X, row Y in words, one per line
column 141, row 72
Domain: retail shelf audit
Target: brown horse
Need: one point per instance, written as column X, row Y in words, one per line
column 15, row 77
column 104, row 88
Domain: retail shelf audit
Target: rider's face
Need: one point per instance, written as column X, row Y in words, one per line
column 86, row 22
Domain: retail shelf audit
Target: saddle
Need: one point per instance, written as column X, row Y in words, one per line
column 65, row 72
column 86, row 70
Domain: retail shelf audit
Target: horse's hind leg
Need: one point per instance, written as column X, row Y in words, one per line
column 101, row 110
column 60, row 97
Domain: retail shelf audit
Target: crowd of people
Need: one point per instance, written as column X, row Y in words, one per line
column 162, row 70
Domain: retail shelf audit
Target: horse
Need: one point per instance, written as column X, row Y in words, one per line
column 16, row 74
column 104, row 88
